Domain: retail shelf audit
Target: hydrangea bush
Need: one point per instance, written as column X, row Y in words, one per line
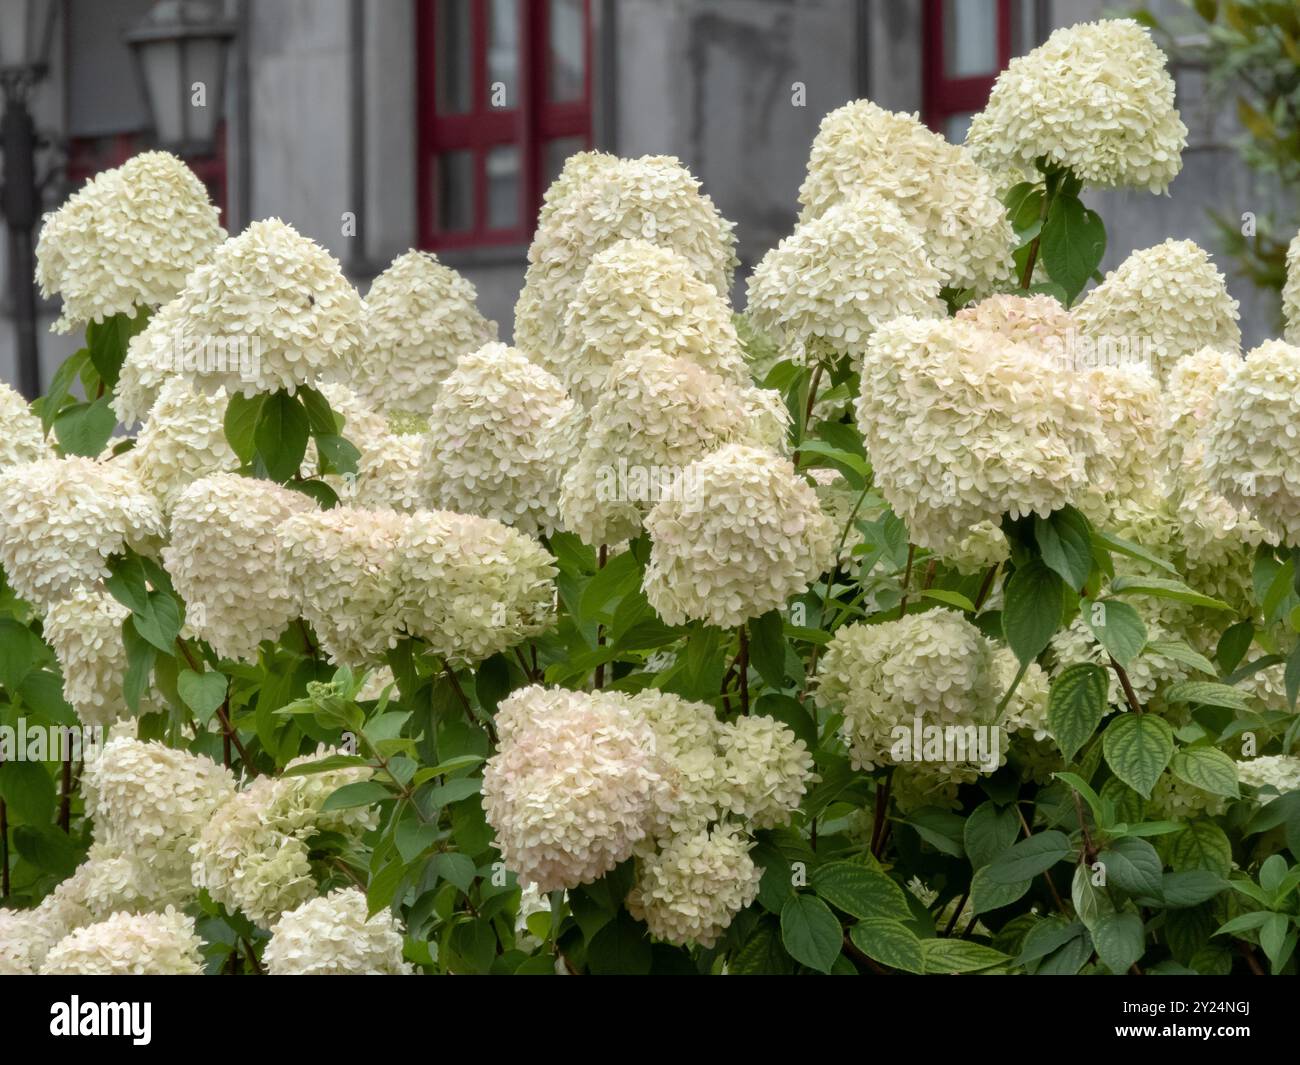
column 939, row 614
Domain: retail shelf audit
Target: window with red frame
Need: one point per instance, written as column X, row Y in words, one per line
column 505, row 98
column 967, row 43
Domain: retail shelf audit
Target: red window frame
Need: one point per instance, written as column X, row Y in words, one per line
column 944, row 96
column 529, row 122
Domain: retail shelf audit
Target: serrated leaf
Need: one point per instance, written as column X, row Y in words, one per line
column 1065, row 542
column 1118, row 628
column 959, row 956
column 202, row 692
column 1208, row 769
column 1163, row 588
column 890, row 943
column 1137, row 749
column 810, row 932
column 1031, row 612
column 988, row 832
column 859, row 891
column 1075, row 705
column 1118, row 939
column 1207, row 693
column 1029, row 857
column 987, row 895
column 1132, row 865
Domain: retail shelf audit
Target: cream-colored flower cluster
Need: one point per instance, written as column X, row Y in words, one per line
column 153, row 356
column 21, row 437
column 597, row 201
column 942, row 192
column 85, row 632
column 1095, row 98
column 659, row 414
column 182, row 440
column 839, row 275
column 419, row 319
column 500, row 441
column 1280, row 772
column 935, row 666
column 252, row 853
column 388, row 475
column 128, row 239
column 584, row 781
column 468, row 586
column 1161, row 304
column 62, row 519
column 748, row 536
column 963, row 426
column 1251, row 456
column 1291, row 292
column 334, row 936
column 223, row 559
column 271, row 310
column 128, row 944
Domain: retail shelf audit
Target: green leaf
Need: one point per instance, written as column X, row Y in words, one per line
column 1201, row 845
column 84, row 428
column 1190, row 887
column 959, row 956
column 19, row 650
column 360, row 793
column 1118, row 628
column 810, row 932
column 1076, row 705
column 107, row 342
column 948, row 598
column 1208, row 769
column 1127, row 547
column 762, row 954
column 1179, row 651
column 281, row 435
column 1118, row 939
column 160, row 621
column 1162, row 588
column 1072, row 243
column 860, row 892
column 323, row 420
column 1065, row 542
column 242, row 416
column 889, row 943
column 1132, row 865
column 989, row 831
column 47, row 848
column 140, row 657
column 1137, row 749
column 1207, row 693
column 1029, row 857
column 767, row 647
column 202, row 692
column 1031, row 614
column 987, row 895
column 28, row 791
column 337, row 455
column 621, row 948
column 52, row 402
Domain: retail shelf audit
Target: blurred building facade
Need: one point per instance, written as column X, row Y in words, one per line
column 374, row 126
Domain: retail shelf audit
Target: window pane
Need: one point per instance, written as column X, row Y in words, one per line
column 453, row 177
column 556, row 152
column 503, row 53
column 503, row 187
column 955, row 127
column 1024, row 26
column 453, row 62
column 568, row 49
column 970, row 38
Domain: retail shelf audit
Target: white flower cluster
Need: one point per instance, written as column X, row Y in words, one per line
column 584, row 781
column 658, row 415
column 949, row 199
column 1169, row 300
column 280, row 296
column 127, row 240
column 597, row 201
column 1291, row 292
column 419, row 319
column 1095, row 98
column 935, row 666
column 224, row 561
column 153, row 356
column 62, row 519
column 636, row 295
column 753, row 536
column 500, row 441
column 182, row 439
column 252, row 853
column 1281, row 772
column 1251, row 457
column 21, row 437
column 85, row 631
column 334, row 936
column 126, row 944
column 963, row 426
column 467, row 586
column 839, row 275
